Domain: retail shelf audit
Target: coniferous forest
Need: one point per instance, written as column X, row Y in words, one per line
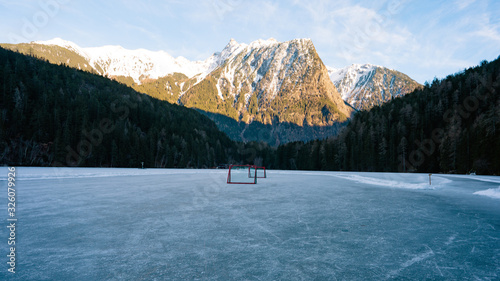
column 53, row 115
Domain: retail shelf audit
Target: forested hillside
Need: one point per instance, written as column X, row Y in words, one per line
column 60, row 116
column 450, row 126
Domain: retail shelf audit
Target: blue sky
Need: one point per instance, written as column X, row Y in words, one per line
column 424, row 39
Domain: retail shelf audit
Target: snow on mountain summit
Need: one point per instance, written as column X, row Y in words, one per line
column 138, row 64
column 144, row 64
column 65, row 44
column 270, row 58
column 361, row 85
column 367, row 85
column 58, row 42
column 350, row 78
column 261, row 43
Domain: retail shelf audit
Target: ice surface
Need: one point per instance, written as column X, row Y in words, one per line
column 160, row 224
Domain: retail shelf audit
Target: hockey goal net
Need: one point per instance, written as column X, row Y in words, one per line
column 242, row 174
column 260, row 172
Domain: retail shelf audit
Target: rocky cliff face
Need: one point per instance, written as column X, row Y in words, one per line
column 269, row 82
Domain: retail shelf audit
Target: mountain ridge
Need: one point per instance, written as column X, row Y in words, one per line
column 140, row 64
column 123, row 62
column 270, row 82
column 265, row 81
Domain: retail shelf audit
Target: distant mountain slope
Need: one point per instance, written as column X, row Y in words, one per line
column 58, row 116
column 367, row 85
column 54, row 54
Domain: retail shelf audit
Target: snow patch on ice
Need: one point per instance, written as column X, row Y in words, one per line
column 436, row 182
column 492, row 193
column 494, row 179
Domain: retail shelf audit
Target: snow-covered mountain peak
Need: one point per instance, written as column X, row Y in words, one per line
column 269, row 82
column 304, row 41
column 263, row 66
column 57, row 42
column 64, row 44
column 366, row 85
column 232, row 42
column 350, row 78
column 263, row 43
column 232, row 48
column 114, row 60
column 354, row 71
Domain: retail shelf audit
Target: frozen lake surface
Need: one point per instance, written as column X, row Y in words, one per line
column 156, row 224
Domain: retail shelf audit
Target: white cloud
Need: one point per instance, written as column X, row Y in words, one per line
column 486, row 29
column 462, row 4
column 429, row 40
column 357, row 34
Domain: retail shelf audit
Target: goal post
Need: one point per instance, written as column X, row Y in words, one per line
column 242, row 174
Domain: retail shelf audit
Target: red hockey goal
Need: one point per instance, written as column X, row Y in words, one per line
column 260, row 172
column 242, row 174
